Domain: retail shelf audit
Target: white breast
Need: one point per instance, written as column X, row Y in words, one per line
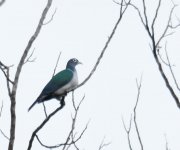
column 69, row 86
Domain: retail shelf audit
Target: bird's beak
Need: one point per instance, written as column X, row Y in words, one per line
column 80, row 63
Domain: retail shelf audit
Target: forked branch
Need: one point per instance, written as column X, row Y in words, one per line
column 155, row 42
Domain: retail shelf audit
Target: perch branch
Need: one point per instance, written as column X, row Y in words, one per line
column 71, row 140
column 41, row 126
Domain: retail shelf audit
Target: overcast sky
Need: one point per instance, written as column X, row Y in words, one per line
column 80, row 29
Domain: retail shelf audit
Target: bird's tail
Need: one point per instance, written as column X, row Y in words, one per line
column 32, row 105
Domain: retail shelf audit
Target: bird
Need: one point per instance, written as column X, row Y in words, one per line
column 60, row 84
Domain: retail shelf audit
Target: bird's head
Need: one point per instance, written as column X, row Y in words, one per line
column 71, row 64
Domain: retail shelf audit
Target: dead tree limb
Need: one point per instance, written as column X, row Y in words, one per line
column 12, row 93
column 155, row 42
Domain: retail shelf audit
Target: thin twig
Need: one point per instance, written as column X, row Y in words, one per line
column 103, row 144
column 167, row 26
column 163, row 61
column 105, row 47
column 155, row 17
column 167, row 145
column 51, row 17
column 3, row 67
column 56, row 64
column 29, row 58
column 73, row 102
column 62, row 144
column 170, row 68
column 1, row 109
column 4, row 135
column 71, row 140
column 155, row 44
column 44, row 106
column 128, row 130
column 41, row 125
column 135, row 107
column 45, row 112
column 73, row 121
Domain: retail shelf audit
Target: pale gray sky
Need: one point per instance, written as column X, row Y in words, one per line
column 80, row 29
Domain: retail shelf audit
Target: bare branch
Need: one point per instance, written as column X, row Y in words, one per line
column 105, row 47
column 145, row 13
column 56, row 64
column 175, row 26
column 73, row 102
column 163, row 61
column 2, row 2
column 44, row 106
column 135, row 107
column 139, row 13
column 0, row 117
column 128, row 130
column 51, row 18
column 170, row 68
column 17, row 75
column 103, row 144
column 155, row 17
column 167, row 145
column 1, row 109
column 63, row 144
column 5, row 69
column 42, row 124
column 29, row 58
column 71, row 138
column 167, row 26
column 71, row 133
column 4, row 135
column 45, row 112
column 155, row 45
column 116, row 2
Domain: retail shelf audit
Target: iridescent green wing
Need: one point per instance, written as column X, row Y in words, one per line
column 59, row 80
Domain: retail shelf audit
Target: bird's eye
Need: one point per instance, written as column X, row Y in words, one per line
column 74, row 60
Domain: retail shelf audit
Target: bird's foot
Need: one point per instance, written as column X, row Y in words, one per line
column 62, row 102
